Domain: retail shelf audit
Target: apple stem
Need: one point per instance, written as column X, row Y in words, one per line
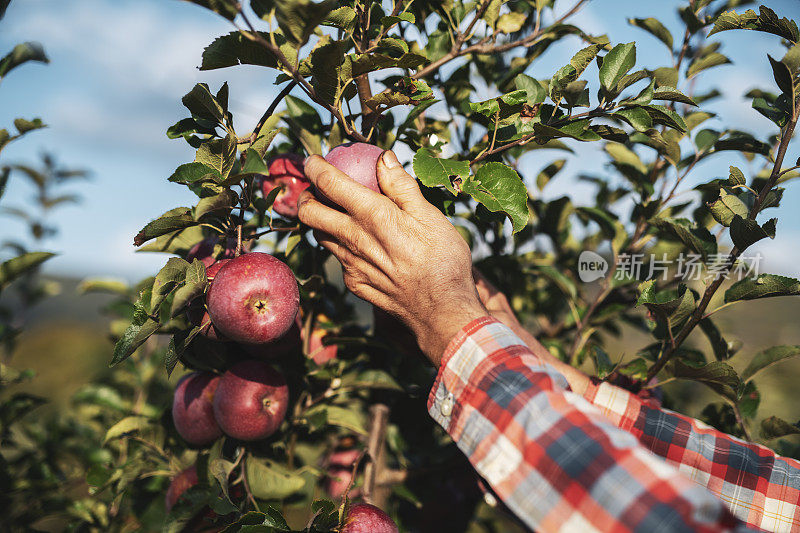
column 376, row 441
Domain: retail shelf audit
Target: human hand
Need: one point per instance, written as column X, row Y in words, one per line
column 398, row 251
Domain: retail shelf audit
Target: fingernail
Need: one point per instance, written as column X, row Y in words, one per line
column 389, row 159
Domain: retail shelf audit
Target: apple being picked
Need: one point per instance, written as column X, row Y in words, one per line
column 285, row 170
column 193, row 408
column 357, row 160
column 250, row 401
column 253, row 299
column 180, row 484
column 366, row 518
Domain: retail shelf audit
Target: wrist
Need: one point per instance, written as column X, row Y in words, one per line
column 434, row 335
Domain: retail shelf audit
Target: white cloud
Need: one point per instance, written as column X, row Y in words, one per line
column 138, row 45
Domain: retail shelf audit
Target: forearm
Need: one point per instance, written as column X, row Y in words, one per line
column 760, row 487
column 552, row 458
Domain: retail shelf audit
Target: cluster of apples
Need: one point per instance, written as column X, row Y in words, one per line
column 252, row 307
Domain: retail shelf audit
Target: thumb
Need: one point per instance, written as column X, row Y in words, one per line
column 398, row 184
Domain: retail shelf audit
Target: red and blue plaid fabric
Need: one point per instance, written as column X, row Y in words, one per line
column 758, row 486
column 563, row 464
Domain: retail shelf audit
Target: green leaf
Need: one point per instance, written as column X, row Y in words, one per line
column 616, row 64
column 602, row 362
column 219, row 154
column 187, row 127
column 705, row 62
column 511, row 22
column 736, row 177
column 435, row 172
column 783, row 77
column 125, row 426
column 291, row 243
column 174, row 219
column 636, row 116
column 673, row 95
column 110, row 286
column 24, row 126
column 500, row 188
column 666, row 116
column 767, row 358
column 191, row 173
column 236, row 49
column 226, row 8
column 270, row 481
column 14, row 268
column 654, row 27
column 170, row 275
column 774, row 427
column 345, row 17
column 766, row 21
column 136, row 334
column 765, row 286
column 202, row 104
column 22, row 53
column 326, row 58
column 746, row 232
column 726, row 207
column 504, row 104
column 697, row 239
column 717, row 375
column 549, row 172
column 742, row 142
column 299, row 18
column 668, row 307
column 224, row 201
column 340, row 416
column 534, row 90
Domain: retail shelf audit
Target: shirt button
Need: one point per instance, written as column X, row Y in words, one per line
column 447, row 405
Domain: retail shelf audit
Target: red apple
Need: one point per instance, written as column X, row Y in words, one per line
column 317, row 351
column 192, row 408
column 340, row 472
column 366, row 518
column 251, row 400
column 357, row 160
column 180, row 484
column 254, row 299
column 197, row 313
column 285, row 170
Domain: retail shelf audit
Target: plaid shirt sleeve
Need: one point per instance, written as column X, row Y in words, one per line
column 550, row 455
column 758, row 486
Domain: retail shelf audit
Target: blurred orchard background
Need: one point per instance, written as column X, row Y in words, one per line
column 118, row 69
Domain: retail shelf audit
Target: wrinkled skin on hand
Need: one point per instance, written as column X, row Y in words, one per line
column 397, row 250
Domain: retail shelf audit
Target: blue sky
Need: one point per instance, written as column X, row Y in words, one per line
column 119, row 68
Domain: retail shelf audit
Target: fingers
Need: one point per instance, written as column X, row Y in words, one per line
column 398, row 184
column 340, row 188
column 361, row 276
column 319, row 216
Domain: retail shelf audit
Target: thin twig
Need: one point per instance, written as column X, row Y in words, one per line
column 271, row 109
column 700, row 310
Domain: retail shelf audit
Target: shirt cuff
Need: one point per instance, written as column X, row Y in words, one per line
column 619, row 406
column 472, row 353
